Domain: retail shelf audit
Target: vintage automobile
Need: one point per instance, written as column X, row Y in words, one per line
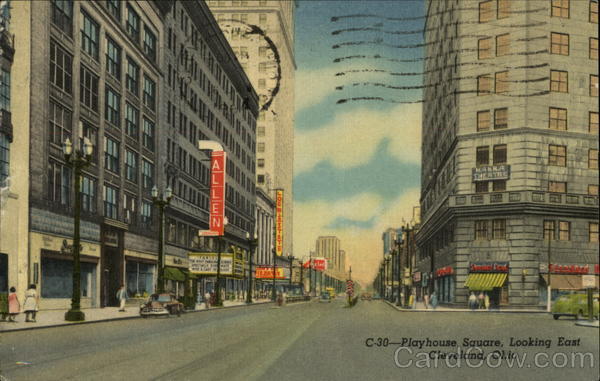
column 575, row 305
column 365, row 296
column 325, row 297
column 161, row 304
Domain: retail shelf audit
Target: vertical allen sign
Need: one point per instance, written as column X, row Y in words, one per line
column 279, row 221
column 217, row 192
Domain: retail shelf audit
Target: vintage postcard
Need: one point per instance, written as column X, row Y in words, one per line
column 299, row 190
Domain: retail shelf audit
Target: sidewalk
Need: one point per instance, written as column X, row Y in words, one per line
column 420, row 307
column 56, row 318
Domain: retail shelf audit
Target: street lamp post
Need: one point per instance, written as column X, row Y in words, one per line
column 399, row 265
column 252, row 243
column 218, row 300
column 273, row 293
column 291, row 258
column 161, row 201
column 78, row 161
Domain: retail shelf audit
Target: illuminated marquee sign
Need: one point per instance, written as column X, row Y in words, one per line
column 217, row 194
column 206, row 264
column 488, row 267
column 279, row 222
column 266, row 272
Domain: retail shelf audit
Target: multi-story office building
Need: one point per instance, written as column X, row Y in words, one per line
column 206, row 96
column 274, row 82
column 510, row 148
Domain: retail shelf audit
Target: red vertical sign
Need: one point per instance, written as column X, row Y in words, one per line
column 279, row 222
column 217, row 192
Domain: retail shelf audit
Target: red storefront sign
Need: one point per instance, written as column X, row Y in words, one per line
column 319, row 264
column 570, row 269
column 266, row 272
column 448, row 270
column 217, row 194
column 279, row 222
column 488, row 267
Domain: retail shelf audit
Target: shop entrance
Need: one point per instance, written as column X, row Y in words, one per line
column 111, row 276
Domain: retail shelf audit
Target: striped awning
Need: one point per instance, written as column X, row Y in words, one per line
column 485, row 281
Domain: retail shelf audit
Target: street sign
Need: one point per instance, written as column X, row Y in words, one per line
column 349, row 287
column 588, row 281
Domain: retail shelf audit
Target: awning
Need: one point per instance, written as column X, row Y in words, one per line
column 565, row 281
column 189, row 274
column 485, row 281
column 173, row 273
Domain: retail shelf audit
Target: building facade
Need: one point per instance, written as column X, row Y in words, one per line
column 268, row 59
column 509, row 181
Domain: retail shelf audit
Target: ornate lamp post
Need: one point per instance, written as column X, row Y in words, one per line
column 77, row 161
column 399, row 267
column 161, row 201
column 291, row 258
column 273, row 292
column 252, row 243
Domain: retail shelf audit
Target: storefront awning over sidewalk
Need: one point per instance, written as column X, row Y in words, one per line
column 173, row 273
column 565, row 281
column 485, row 281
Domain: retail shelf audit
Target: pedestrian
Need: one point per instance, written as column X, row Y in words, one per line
column 207, row 300
column 481, row 301
column 279, row 299
column 472, row 301
column 30, row 306
column 14, row 307
column 426, row 300
column 433, row 300
column 122, row 297
column 486, row 301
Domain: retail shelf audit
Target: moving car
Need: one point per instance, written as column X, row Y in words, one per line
column 325, row 297
column 574, row 305
column 161, row 304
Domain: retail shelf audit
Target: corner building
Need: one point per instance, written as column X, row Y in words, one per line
column 509, row 181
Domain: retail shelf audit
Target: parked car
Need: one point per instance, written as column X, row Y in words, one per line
column 161, row 304
column 325, row 297
column 574, row 305
column 365, row 296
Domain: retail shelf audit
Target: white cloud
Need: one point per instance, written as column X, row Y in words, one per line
column 351, row 138
column 363, row 246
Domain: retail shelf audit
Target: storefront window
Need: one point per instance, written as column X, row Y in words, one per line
column 57, row 278
column 140, row 279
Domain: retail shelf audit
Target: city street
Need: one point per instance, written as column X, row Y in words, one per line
column 306, row 341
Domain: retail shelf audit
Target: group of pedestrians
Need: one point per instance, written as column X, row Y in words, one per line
column 479, row 302
column 430, row 300
column 12, row 307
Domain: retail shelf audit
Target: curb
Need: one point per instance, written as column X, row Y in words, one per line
column 123, row 318
column 468, row 310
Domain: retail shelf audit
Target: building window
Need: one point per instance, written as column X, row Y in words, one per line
column 132, row 118
column 140, row 279
column 483, row 156
column 260, row 163
column 564, row 231
column 61, row 67
column 593, row 189
column 59, row 183
column 557, row 186
column 262, row 51
column 4, row 158
column 594, row 48
column 4, row 90
column 146, row 213
column 559, row 81
column 593, row 231
column 149, row 43
column 482, row 187
column 559, row 43
column 262, row 18
column 498, row 185
column 62, row 15
column 502, row 45
column 148, row 135
column 549, row 230
column 593, row 159
column 503, row 8
column 261, row 147
column 262, row 67
column 594, row 11
column 500, row 154
column 499, row 229
column 147, row 174
column 132, row 77
column 59, row 124
column 88, row 194
column 593, row 122
column 133, row 24
column 112, row 112
column 481, row 230
column 130, row 207
column 557, row 119
column 483, row 120
column 260, row 131
column 89, row 36
column 131, row 166
column 149, row 93
column 500, row 118
column 88, row 88
column 486, row 11
column 114, row 8
column 560, row 8
column 593, row 85
column 111, row 155
column 501, row 82
column 113, row 59
column 260, row 179
column 557, row 155
column 484, row 84
column 111, row 202
column 484, row 48
column 57, row 278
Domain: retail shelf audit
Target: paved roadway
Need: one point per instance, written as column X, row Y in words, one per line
column 309, row 341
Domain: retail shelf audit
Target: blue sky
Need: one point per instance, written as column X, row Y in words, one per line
column 357, row 163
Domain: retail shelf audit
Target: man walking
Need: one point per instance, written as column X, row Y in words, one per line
column 122, row 298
